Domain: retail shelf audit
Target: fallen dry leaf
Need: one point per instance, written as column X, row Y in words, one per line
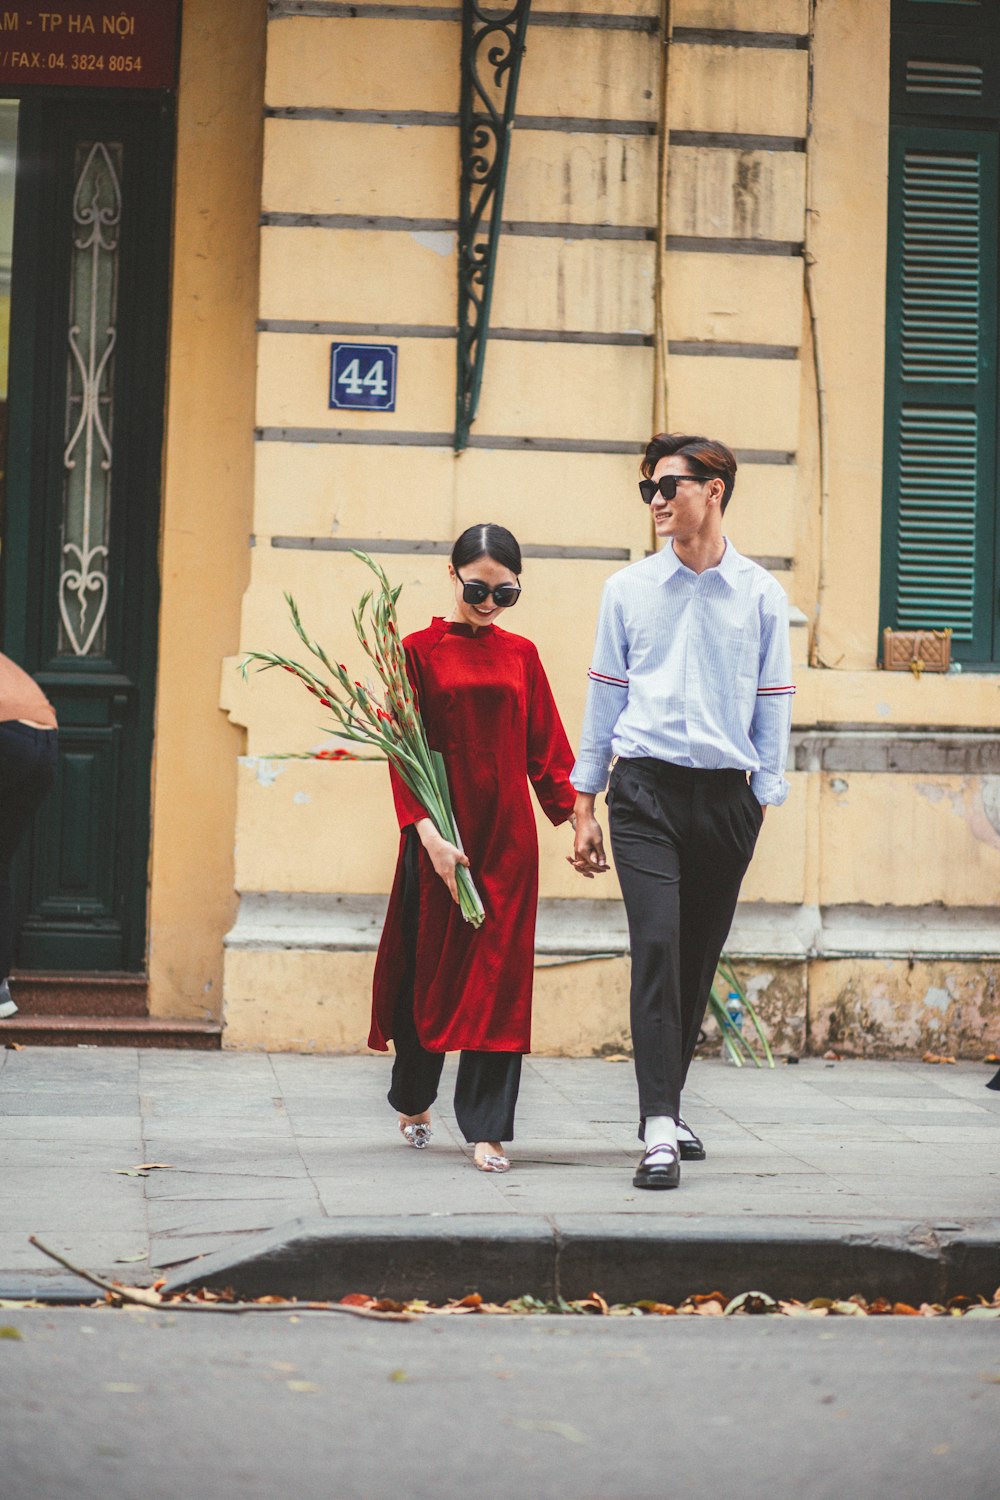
column 398, row 1377
column 156, row 1166
column 8, row 1331
column 831, row 1056
column 558, row 1429
column 936, row 1057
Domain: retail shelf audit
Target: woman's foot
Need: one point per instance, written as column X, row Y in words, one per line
column 416, row 1129
column 489, row 1156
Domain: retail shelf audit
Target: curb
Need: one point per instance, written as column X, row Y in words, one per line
column 623, row 1257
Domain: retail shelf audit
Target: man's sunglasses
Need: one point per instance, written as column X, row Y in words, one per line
column 505, row 595
column 667, row 486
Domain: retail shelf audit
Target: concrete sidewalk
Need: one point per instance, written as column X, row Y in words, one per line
column 892, row 1160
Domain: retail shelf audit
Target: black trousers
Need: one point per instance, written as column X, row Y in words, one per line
column 487, row 1083
column 27, row 772
column 682, row 840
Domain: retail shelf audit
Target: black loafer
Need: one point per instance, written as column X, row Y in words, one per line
column 691, row 1150
column 659, row 1168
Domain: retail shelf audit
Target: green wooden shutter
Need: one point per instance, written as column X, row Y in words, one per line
column 940, row 528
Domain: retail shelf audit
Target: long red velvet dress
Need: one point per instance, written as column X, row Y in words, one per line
column 487, row 706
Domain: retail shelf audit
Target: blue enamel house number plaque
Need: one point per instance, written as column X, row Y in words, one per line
column 363, row 377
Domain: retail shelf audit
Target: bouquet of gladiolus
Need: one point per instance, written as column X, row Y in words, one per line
column 389, row 723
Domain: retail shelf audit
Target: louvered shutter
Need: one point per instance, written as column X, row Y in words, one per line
column 940, row 527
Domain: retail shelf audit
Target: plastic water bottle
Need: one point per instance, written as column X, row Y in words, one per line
column 736, row 1014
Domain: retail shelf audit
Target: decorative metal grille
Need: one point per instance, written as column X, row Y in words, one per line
column 87, row 457
column 492, row 49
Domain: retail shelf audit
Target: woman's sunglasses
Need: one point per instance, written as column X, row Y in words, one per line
column 667, row 486
column 505, row 595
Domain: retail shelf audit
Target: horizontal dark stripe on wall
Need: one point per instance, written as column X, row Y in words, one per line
column 568, row 124
column 278, row 10
column 528, row 229
column 390, row 438
column 405, row 546
column 778, row 41
column 732, row 141
column 714, row 245
column 365, row 437
column 732, row 351
column 774, row 456
column 443, row 331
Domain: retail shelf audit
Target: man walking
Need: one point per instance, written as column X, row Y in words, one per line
column 690, row 689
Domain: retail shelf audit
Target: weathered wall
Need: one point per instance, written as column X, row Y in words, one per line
column 207, row 500
column 656, row 272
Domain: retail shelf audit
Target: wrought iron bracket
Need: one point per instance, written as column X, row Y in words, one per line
column 492, row 48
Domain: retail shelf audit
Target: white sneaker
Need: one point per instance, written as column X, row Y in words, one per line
column 7, row 1006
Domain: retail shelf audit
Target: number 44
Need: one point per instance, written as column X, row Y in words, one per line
column 355, row 384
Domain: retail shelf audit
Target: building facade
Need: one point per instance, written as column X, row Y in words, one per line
column 769, row 221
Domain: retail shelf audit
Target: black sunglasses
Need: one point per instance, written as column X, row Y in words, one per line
column 505, row 595
column 667, row 486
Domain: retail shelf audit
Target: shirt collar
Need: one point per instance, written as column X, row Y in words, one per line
column 727, row 569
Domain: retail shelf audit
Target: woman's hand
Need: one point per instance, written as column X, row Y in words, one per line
column 588, row 857
column 443, row 856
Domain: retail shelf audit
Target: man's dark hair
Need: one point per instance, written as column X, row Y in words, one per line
column 708, row 459
column 487, row 540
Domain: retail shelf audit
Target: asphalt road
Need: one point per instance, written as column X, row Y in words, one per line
column 103, row 1405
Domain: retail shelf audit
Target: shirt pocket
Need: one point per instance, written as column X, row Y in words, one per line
column 738, row 651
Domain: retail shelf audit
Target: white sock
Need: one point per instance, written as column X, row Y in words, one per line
column 660, row 1131
column 684, row 1132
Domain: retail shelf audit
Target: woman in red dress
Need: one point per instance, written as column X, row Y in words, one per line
column 441, row 984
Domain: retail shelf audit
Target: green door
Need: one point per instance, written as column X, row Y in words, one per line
column 80, row 519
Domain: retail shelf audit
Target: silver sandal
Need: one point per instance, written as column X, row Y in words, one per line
column 492, row 1163
column 418, row 1136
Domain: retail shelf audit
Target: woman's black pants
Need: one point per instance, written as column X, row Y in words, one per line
column 27, row 771
column 487, row 1083
column 682, row 840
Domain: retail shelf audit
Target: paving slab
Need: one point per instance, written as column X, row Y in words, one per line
column 898, row 1164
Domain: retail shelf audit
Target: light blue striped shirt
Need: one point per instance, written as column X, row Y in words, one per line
column 691, row 668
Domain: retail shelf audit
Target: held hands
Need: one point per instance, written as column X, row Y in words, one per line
column 443, row 856
column 588, row 857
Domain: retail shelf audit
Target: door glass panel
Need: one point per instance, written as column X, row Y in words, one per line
column 88, row 456
column 8, row 166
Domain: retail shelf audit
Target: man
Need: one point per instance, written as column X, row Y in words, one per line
column 690, row 689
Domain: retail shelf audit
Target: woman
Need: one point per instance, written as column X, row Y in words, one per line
column 27, row 770
column 440, row 984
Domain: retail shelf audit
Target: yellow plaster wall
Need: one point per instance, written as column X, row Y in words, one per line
column 848, row 219
column 755, row 90
column 208, row 484
column 880, row 839
column 742, row 15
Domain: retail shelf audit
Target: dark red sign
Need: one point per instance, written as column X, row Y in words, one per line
column 89, row 43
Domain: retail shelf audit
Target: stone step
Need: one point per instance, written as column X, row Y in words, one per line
column 88, row 995
column 110, row 1031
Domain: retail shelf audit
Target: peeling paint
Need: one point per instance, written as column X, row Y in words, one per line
column 991, row 801
column 267, row 771
column 301, row 799
column 839, row 785
column 935, row 793
column 442, row 243
column 937, row 999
